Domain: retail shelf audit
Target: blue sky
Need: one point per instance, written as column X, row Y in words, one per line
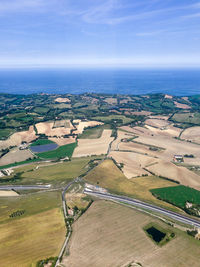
column 100, row 32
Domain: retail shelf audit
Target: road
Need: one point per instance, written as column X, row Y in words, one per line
column 65, row 216
column 141, row 204
column 24, row 187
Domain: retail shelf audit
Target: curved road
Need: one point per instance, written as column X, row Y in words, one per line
column 138, row 203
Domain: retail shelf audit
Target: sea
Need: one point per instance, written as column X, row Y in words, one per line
column 179, row 82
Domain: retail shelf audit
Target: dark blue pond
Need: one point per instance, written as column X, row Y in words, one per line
column 156, row 234
column 44, row 148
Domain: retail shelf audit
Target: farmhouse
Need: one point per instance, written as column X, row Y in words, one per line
column 178, row 158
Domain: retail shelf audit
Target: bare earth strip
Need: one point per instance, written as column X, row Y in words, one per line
column 17, row 138
column 8, row 193
column 15, row 155
column 88, row 147
column 191, row 134
column 111, row 235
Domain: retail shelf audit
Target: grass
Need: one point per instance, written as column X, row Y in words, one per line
column 109, row 234
column 31, row 239
column 54, row 173
column 193, row 118
column 60, row 152
column 177, row 195
column 19, row 163
column 4, row 133
column 108, row 175
column 40, row 142
column 41, row 110
column 32, row 204
column 111, row 118
column 37, row 234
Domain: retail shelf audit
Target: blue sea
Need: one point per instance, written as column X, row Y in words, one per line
column 118, row 81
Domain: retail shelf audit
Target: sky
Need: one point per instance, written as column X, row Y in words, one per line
column 136, row 33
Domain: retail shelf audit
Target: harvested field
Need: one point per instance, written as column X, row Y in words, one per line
column 180, row 174
column 81, row 125
column 169, row 96
column 62, row 100
column 111, row 100
column 31, row 238
column 191, row 134
column 143, row 113
column 180, row 105
column 62, row 123
column 17, row 138
column 160, row 117
column 170, row 131
column 15, row 155
column 120, row 135
column 112, row 235
column 133, row 163
column 88, row 147
column 61, row 141
column 47, row 129
column 8, row 193
column 157, row 123
column 172, row 146
column 139, row 148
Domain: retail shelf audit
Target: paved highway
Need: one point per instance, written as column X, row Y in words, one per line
column 24, row 187
column 140, row 204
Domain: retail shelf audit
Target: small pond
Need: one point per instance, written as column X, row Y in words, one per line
column 43, row 148
column 156, row 235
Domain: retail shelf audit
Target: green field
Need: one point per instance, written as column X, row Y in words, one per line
column 192, row 118
column 60, row 152
column 111, row 118
column 94, row 132
column 4, row 133
column 40, row 142
column 55, row 173
column 41, row 110
column 177, row 195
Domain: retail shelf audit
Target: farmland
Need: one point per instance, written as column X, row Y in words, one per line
column 89, row 147
column 39, row 231
column 108, row 175
column 94, row 132
column 129, row 145
column 107, row 227
column 54, row 173
column 178, row 195
column 40, row 142
column 61, row 152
